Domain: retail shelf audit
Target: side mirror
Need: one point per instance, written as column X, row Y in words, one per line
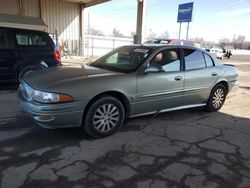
column 153, row 68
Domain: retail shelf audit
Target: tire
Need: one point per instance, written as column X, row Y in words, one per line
column 217, row 98
column 104, row 117
column 25, row 70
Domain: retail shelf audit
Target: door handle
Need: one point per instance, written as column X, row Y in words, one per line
column 214, row 74
column 178, row 78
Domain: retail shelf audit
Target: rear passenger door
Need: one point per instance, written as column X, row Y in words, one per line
column 200, row 76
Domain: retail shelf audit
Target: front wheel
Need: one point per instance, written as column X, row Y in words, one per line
column 104, row 117
column 217, row 98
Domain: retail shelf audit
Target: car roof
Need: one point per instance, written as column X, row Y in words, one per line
column 157, row 46
column 171, row 40
column 25, row 30
column 166, row 46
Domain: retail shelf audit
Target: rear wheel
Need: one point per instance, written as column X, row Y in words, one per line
column 104, row 117
column 216, row 98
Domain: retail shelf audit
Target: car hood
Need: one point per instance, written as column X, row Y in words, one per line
column 53, row 77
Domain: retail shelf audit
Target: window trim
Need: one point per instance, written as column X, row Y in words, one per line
column 206, row 60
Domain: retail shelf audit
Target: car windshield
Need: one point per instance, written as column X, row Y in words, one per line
column 125, row 59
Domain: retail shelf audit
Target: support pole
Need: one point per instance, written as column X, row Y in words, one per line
column 141, row 16
column 139, row 21
column 187, row 31
column 81, row 8
column 180, row 31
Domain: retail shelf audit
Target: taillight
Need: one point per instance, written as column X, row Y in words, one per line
column 57, row 55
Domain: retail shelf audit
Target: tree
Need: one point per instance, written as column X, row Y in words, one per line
column 198, row 40
column 246, row 45
column 239, row 41
column 224, row 42
column 164, row 35
column 117, row 33
column 93, row 31
column 152, row 35
column 132, row 34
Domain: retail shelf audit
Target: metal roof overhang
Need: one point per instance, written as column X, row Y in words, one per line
column 87, row 3
column 23, row 22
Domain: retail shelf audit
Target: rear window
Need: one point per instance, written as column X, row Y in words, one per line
column 194, row 59
column 209, row 60
column 31, row 39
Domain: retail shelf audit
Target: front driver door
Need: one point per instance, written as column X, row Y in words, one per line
column 162, row 87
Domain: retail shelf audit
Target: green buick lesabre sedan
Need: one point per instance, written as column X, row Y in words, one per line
column 127, row 82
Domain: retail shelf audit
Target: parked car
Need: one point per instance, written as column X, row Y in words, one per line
column 218, row 53
column 127, row 82
column 171, row 42
column 23, row 51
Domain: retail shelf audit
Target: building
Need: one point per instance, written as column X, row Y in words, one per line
column 62, row 19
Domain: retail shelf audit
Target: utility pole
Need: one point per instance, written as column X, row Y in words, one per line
column 187, row 31
column 180, row 31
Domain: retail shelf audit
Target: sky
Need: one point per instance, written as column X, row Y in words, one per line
column 212, row 20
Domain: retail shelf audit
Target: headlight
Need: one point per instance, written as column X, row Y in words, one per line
column 45, row 97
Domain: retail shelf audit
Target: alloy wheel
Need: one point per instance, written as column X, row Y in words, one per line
column 106, row 118
column 218, row 98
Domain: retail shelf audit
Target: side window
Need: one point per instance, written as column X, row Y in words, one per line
column 209, row 60
column 30, row 39
column 3, row 39
column 168, row 59
column 193, row 59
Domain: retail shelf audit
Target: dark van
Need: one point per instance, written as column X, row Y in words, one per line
column 23, row 51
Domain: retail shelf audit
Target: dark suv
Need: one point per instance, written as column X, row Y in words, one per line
column 23, row 51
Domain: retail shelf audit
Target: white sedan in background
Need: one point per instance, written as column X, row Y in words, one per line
column 218, row 53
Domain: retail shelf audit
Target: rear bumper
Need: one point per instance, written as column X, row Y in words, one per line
column 63, row 115
column 233, row 87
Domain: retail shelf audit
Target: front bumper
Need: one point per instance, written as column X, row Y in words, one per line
column 64, row 115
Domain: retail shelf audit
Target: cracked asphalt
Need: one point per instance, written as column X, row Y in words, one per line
column 187, row 148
